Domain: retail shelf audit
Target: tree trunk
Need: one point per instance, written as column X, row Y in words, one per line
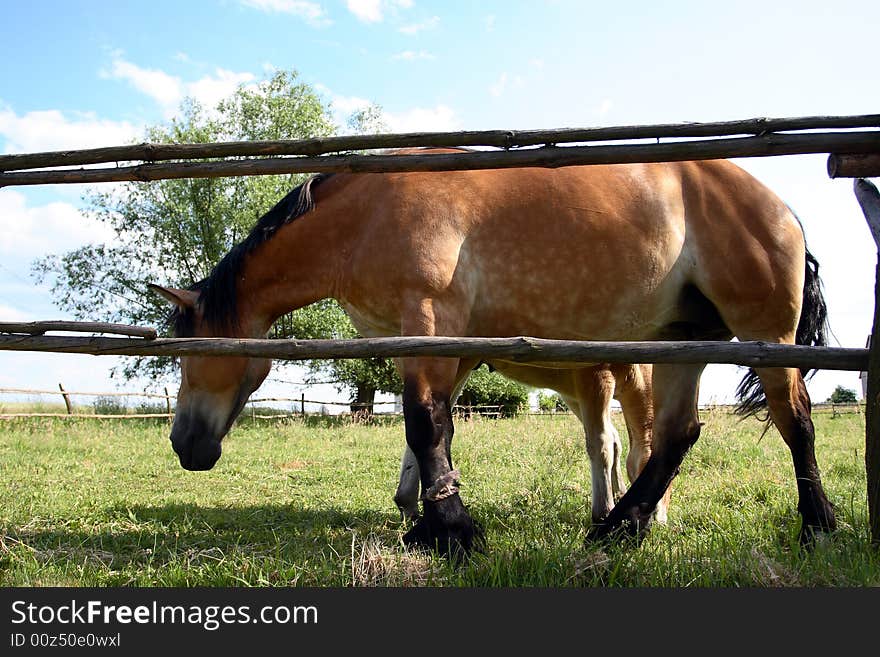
column 363, row 401
column 466, row 405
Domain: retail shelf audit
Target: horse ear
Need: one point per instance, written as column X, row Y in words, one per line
column 181, row 298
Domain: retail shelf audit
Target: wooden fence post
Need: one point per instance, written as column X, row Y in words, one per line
column 168, row 405
column 66, row 399
column 869, row 199
column 303, row 407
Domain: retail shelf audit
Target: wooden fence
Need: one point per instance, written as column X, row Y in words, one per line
column 852, row 143
column 462, row 410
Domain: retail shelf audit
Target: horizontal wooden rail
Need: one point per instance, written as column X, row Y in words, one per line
column 496, row 138
column 86, row 416
column 520, row 349
column 548, row 157
column 28, row 391
column 314, row 401
column 485, row 411
column 866, row 165
column 298, row 400
column 39, row 328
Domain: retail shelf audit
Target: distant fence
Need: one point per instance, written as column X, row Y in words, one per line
column 299, row 406
column 490, row 411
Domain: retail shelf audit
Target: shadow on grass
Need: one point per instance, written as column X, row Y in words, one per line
column 282, row 545
column 191, row 536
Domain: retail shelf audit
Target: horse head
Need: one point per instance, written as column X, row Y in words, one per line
column 213, row 389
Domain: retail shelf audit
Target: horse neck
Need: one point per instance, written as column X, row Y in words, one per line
column 299, row 265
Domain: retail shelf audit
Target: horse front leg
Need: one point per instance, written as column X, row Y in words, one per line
column 594, row 387
column 633, row 391
column 445, row 524
column 676, row 429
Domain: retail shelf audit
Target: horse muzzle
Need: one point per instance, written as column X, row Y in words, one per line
column 194, row 443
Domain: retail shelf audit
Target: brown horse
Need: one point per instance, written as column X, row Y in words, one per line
column 690, row 250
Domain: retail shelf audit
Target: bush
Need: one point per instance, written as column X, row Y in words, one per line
column 109, row 406
column 486, row 387
column 551, row 403
column 150, row 408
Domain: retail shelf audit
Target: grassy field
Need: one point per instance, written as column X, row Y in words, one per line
column 104, row 503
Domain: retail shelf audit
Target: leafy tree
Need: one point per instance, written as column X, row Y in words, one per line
column 485, row 387
column 843, row 395
column 174, row 231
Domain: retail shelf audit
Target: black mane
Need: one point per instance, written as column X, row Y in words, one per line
column 217, row 292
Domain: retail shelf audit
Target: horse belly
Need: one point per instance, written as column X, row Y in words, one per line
column 593, row 292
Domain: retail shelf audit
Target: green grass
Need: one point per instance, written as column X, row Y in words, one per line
column 105, row 503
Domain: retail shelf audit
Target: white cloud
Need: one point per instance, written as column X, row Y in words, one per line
column 441, row 118
column 342, row 107
column 490, row 22
column 311, row 12
column 27, row 233
column 368, row 11
column 504, row 82
column 412, row 55
column 165, row 89
column 169, row 90
column 415, row 28
column 373, row 11
column 51, row 130
column 210, row 90
column 349, row 104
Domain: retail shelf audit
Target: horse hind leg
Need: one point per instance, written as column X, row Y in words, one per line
column 789, row 405
column 790, row 410
column 407, row 496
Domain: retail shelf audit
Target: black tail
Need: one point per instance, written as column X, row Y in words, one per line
column 812, row 330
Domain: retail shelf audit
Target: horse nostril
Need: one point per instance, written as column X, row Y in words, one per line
column 199, row 454
column 194, row 442
column 185, row 455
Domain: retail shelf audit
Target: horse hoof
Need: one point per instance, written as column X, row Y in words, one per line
column 604, row 533
column 632, row 525
column 447, row 528
column 818, row 518
column 819, row 522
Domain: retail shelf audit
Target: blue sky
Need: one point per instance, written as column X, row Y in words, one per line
column 91, row 73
